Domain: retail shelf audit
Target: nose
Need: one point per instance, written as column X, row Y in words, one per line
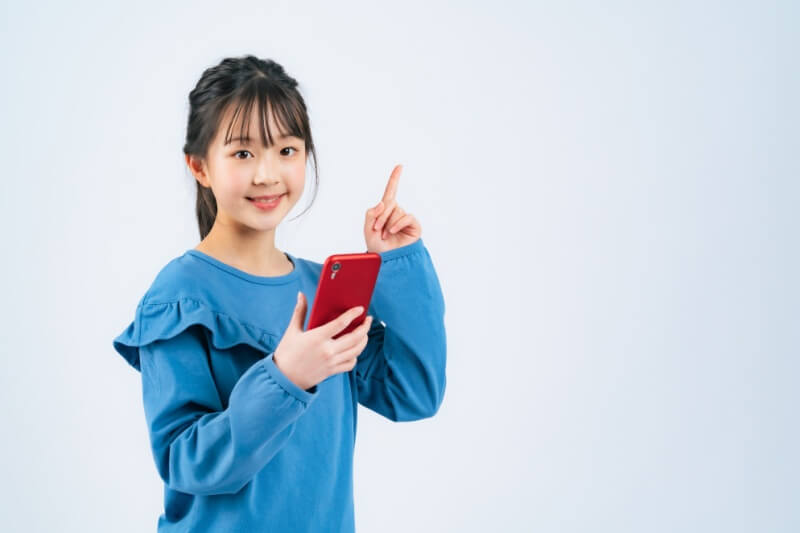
column 266, row 172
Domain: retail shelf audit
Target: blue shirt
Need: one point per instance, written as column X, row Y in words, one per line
column 238, row 445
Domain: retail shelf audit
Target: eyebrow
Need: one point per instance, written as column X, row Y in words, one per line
column 246, row 140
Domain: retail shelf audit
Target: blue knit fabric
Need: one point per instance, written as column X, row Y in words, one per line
column 237, row 444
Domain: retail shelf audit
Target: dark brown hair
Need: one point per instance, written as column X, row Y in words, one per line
column 242, row 82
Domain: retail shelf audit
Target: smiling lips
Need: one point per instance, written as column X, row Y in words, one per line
column 266, row 202
column 272, row 197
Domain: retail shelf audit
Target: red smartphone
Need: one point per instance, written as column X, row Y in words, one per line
column 346, row 281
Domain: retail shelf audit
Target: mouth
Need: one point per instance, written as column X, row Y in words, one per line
column 266, row 202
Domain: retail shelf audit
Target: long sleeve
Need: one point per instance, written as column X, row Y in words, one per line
column 401, row 373
column 199, row 447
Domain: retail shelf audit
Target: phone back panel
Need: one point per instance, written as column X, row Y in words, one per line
column 346, row 281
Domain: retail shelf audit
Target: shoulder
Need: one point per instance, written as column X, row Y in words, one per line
column 310, row 267
column 182, row 295
column 177, row 279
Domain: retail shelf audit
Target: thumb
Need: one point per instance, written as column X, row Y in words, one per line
column 372, row 215
column 376, row 210
column 299, row 316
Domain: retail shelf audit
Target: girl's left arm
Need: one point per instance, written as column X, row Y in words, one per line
column 401, row 372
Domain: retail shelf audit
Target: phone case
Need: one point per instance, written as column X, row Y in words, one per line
column 346, row 281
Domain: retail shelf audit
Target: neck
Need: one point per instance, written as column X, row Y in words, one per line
column 245, row 248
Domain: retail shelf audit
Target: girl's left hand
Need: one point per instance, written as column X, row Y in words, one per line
column 387, row 225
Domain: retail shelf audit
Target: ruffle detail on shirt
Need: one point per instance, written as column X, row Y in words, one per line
column 161, row 321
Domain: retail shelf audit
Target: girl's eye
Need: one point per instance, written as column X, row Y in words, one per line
column 247, row 152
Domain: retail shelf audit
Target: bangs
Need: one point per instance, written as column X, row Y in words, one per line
column 286, row 112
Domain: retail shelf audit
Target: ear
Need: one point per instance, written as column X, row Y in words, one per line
column 197, row 167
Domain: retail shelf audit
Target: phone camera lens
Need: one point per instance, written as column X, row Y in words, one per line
column 336, row 266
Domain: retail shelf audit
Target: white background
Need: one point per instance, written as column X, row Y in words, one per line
column 609, row 193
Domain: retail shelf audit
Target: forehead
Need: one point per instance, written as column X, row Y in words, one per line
column 235, row 127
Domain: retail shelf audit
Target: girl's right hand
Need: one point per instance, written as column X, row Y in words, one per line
column 309, row 357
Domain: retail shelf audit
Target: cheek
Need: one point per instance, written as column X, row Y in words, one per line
column 297, row 179
column 235, row 183
column 230, row 193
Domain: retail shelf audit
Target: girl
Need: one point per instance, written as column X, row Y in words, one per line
column 251, row 418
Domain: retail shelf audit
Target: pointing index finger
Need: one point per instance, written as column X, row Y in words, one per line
column 391, row 187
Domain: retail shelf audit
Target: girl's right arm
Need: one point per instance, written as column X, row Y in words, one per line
column 199, row 447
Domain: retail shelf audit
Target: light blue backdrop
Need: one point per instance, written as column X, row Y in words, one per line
column 609, row 193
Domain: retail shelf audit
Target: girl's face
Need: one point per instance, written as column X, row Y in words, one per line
column 245, row 168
